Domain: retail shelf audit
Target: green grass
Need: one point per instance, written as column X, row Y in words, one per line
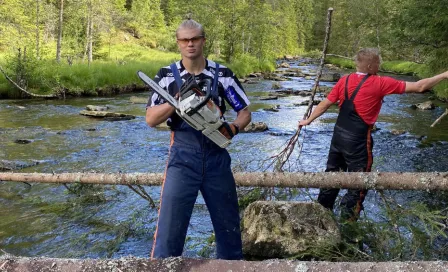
column 81, row 79
column 117, row 68
column 245, row 64
column 404, row 67
column 397, row 66
column 341, row 62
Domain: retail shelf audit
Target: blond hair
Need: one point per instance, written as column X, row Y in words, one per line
column 191, row 24
column 367, row 54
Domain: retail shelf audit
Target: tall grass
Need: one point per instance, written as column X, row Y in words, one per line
column 80, row 78
column 116, row 67
column 245, row 64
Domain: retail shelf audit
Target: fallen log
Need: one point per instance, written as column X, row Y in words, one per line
column 205, row 265
column 358, row 180
column 22, row 89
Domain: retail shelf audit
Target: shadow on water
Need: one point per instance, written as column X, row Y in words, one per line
column 113, row 221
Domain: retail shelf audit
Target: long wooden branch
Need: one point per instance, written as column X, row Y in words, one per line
column 284, row 155
column 357, row 180
column 22, row 89
column 339, row 56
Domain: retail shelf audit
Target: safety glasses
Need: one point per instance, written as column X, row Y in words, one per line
column 186, row 41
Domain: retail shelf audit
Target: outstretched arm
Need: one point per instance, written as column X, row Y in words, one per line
column 318, row 111
column 425, row 84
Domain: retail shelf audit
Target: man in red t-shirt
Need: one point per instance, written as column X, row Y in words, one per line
column 360, row 96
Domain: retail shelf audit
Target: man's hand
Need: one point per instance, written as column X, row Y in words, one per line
column 229, row 130
column 304, row 122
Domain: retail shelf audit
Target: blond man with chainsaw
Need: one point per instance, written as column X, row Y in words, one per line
column 198, row 89
column 359, row 96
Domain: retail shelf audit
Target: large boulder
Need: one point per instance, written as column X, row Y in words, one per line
column 428, row 105
column 6, row 165
column 269, row 97
column 306, row 102
column 109, row 116
column 255, row 127
column 276, row 86
column 138, row 100
column 96, row 108
column 283, row 65
column 330, row 77
column 281, row 229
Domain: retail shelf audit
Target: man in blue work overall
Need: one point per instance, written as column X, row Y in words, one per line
column 195, row 162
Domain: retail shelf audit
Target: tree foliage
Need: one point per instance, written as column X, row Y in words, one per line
column 409, row 30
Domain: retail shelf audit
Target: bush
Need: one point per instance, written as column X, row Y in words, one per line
column 245, row 64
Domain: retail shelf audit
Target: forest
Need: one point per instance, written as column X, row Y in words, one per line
column 46, row 44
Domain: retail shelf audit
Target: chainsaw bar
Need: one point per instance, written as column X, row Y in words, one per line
column 196, row 120
column 156, row 88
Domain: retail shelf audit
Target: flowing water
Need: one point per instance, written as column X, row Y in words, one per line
column 113, row 221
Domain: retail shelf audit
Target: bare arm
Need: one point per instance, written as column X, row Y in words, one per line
column 158, row 114
column 318, row 111
column 243, row 118
column 425, row 84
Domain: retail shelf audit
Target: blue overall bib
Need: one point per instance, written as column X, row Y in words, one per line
column 195, row 164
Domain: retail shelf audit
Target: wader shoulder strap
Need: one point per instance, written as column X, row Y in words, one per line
column 179, row 82
column 346, row 87
column 357, row 87
column 215, row 81
column 176, row 75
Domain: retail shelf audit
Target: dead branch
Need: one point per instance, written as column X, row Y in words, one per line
column 142, row 193
column 440, row 118
column 339, row 56
column 284, row 155
column 22, row 89
column 3, row 265
column 357, row 180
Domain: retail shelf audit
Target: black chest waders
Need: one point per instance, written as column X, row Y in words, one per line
column 350, row 150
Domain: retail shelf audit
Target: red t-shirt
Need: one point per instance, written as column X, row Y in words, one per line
column 370, row 97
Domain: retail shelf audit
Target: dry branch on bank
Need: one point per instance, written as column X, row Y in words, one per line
column 339, row 56
column 355, row 180
column 440, row 118
column 22, row 89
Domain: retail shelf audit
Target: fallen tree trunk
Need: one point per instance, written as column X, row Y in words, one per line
column 358, row 180
column 22, row 89
column 205, row 265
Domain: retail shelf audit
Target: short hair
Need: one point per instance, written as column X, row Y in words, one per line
column 191, row 24
column 367, row 54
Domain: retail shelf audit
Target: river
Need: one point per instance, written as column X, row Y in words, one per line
column 113, row 221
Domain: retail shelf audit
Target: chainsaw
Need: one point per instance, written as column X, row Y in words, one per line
column 194, row 106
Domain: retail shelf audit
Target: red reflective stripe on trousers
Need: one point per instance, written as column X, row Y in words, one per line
column 161, row 193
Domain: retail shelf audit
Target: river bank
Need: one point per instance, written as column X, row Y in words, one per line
column 102, row 77
column 110, row 77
